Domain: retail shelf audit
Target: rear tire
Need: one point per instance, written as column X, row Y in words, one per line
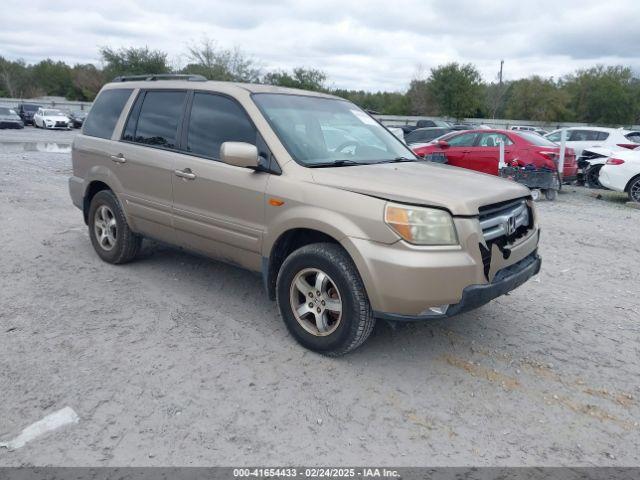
column 333, row 328
column 112, row 239
column 634, row 190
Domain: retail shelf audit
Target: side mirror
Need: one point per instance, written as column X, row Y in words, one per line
column 240, row 154
column 442, row 144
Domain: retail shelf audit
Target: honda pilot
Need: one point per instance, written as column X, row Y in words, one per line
column 345, row 224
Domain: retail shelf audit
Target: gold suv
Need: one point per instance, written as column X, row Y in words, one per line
column 345, row 224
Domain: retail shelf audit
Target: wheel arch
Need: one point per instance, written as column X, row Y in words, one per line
column 93, row 188
column 631, row 180
column 286, row 243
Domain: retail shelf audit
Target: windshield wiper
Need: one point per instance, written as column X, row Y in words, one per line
column 398, row 160
column 337, row 163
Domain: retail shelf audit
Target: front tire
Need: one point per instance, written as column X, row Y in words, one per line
column 323, row 301
column 112, row 239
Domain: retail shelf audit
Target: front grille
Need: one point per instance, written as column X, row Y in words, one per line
column 502, row 224
column 504, row 220
column 61, row 124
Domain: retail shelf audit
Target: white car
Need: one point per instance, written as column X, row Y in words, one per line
column 621, row 172
column 580, row 138
column 51, row 118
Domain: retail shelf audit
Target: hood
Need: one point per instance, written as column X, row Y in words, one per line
column 456, row 189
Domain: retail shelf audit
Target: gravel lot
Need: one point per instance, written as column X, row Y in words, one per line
column 178, row 360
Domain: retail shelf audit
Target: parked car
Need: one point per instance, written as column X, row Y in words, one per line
column 580, row 138
column 405, row 128
column 422, row 136
column 77, row 118
column 621, row 173
column 523, row 128
column 541, row 131
column 9, row 118
column 342, row 236
column 479, row 150
column 433, row 123
column 50, row 118
column 26, row 111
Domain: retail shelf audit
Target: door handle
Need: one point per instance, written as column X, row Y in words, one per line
column 186, row 173
column 119, row 158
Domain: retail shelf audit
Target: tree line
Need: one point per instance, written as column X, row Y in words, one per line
column 603, row 95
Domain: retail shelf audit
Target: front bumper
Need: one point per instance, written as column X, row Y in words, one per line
column 406, row 281
column 475, row 296
column 11, row 124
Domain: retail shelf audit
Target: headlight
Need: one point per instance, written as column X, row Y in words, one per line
column 420, row 225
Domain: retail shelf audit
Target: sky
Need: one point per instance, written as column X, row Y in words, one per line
column 367, row 44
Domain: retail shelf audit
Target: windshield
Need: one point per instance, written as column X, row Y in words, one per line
column 53, row 113
column 30, row 108
column 537, row 139
column 6, row 111
column 320, row 131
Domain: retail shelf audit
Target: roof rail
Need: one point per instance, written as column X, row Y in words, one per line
column 160, row 76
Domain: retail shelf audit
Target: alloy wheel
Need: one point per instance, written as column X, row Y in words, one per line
column 105, row 227
column 316, row 302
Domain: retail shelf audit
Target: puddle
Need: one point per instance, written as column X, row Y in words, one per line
column 47, row 147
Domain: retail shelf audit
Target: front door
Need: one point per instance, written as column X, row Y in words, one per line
column 218, row 208
column 458, row 148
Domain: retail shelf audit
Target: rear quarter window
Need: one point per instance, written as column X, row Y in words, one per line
column 105, row 112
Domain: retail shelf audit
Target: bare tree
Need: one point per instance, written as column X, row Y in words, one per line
column 216, row 63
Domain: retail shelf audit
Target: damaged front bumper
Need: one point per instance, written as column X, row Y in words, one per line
column 475, row 296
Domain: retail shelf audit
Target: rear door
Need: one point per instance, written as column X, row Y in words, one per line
column 459, row 146
column 218, row 208
column 146, row 160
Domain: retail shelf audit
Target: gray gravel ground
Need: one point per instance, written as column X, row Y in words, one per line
column 178, row 360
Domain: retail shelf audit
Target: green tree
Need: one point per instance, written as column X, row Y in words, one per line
column 215, row 63
column 133, row 61
column 456, row 89
column 385, row 103
column 53, row 78
column 15, row 79
column 602, row 95
column 307, row 79
column 536, row 98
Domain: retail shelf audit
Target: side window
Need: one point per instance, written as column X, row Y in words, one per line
column 583, row 135
column 216, row 119
column 105, row 112
column 463, row 140
column 555, row 137
column 602, row 135
column 158, row 120
column 493, row 139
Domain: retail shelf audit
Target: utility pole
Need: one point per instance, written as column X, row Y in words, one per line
column 498, row 97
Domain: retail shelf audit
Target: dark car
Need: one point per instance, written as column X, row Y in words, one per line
column 425, row 135
column 9, row 118
column 77, row 118
column 26, row 111
column 405, row 128
column 433, row 123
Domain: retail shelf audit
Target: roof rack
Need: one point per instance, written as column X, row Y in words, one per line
column 161, row 76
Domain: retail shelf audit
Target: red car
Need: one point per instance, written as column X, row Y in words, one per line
column 479, row 150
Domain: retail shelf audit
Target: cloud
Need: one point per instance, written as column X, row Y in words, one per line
column 377, row 44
